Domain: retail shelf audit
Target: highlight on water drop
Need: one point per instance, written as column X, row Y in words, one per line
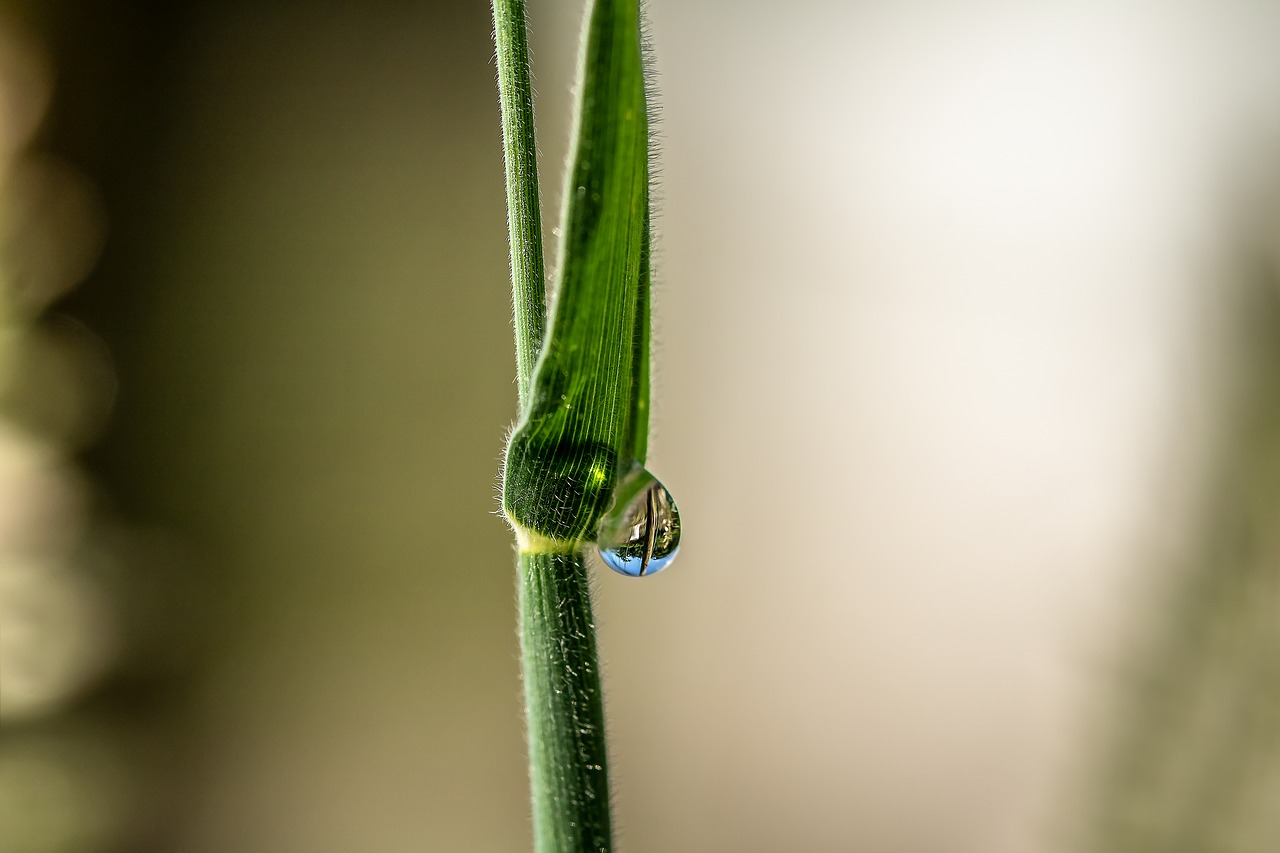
column 639, row 535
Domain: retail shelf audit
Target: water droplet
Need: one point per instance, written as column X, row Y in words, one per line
column 640, row 532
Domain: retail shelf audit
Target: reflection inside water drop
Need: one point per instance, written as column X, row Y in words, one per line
column 640, row 533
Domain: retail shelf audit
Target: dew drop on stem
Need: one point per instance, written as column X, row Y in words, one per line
column 639, row 534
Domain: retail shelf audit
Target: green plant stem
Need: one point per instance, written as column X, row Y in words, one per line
column 1194, row 756
column 584, row 398
column 569, row 770
column 524, row 213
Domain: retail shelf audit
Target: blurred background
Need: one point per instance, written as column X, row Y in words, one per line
column 967, row 384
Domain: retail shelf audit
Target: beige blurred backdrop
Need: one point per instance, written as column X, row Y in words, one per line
column 944, row 310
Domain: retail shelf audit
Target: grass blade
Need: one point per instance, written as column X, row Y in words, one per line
column 581, row 426
column 584, row 408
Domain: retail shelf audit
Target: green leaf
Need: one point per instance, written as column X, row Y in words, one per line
column 585, row 404
column 587, row 416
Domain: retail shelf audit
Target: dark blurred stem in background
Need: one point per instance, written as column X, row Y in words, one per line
column 1194, row 761
column 117, row 69
column 221, row 172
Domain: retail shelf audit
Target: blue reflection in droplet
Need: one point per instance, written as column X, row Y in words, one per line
column 640, row 533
